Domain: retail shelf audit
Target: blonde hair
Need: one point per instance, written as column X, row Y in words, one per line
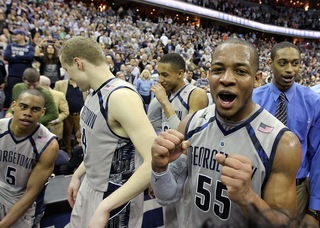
column 83, row 48
column 142, row 73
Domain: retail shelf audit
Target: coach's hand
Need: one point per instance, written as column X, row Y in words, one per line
column 73, row 190
column 167, row 147
column 236, row 175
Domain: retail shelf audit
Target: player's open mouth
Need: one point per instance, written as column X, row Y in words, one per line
column 25, row 122
column 227, row 97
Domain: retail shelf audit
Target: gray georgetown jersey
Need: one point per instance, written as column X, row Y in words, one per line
column 180, row 103
column 256, row 138
column 110, row 159
column 18, row 157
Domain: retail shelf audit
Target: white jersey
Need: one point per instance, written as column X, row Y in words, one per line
column 110, row 159
column 180, row 103
column 256, row 138
column 18, row 157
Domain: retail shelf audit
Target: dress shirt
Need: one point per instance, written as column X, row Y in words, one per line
column 303, row 119
column 316, row 88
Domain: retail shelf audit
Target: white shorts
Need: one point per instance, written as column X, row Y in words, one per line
column 88, row 200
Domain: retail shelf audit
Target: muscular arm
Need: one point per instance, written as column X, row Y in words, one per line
column 280, row 190
column 36, row 182
column 128, row 119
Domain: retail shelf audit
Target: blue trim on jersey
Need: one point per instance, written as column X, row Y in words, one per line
column 225, row 133
column 104, row 111
column 267, row 162
column 47, row 144
column 102, row 85
column 198, row 129
column 187, row 126
column 4, row 134
column 19, row 141
column 273, row 151
column 170, row 100
column 34, row 148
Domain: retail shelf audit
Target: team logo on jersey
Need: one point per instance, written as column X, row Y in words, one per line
column 108, row 87
column 185, row 92
column 41, row 139
column 265, row 128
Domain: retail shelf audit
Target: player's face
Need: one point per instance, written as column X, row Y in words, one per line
column 27, row 111
column 285, row 67
column 77, row 75
column 231, row 81
column 169, row 77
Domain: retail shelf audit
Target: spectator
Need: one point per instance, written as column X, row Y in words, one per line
column 61, row 105
column 31, row 78
column 19, row 56
column 144, row 84
column 49, row 62
column 203, row 81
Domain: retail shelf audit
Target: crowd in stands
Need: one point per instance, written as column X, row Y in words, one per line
column 132, row 43
column 274, row 14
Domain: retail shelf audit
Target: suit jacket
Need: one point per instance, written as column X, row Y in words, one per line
column 62, row 86
column 63, row 108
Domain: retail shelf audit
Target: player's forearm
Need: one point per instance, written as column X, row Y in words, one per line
column 168, row 109
column 81, row 170
column 19, row 208
column 136, row 184
column 277, row 215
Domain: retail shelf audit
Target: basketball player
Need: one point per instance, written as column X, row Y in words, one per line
column 113, row 123
column 182, row 99
column 27, row 155
column 238, row 152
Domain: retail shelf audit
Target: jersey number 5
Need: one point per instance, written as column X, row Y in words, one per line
column 10, row 177
column 221, row 205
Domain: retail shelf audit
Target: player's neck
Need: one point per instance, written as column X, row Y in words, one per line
column 20, row 133
column 179, row 86
column 99, row 75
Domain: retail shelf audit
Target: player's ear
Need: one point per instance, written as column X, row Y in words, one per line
column 13, row 105
column 43, row 111
column 180, row 74
column 257, row 79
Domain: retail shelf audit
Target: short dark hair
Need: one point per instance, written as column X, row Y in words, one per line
column 282, row 45
column 245, row 43
column 175, row 60
column 34, row 92
column 31, row 75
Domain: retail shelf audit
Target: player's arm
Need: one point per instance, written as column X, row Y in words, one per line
column 36, row 182
column 75, row 183
column 280, row 190
column 167, row 148
column 198, row 100
column 127, row 116
column 161, row 95
column 313, row 152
